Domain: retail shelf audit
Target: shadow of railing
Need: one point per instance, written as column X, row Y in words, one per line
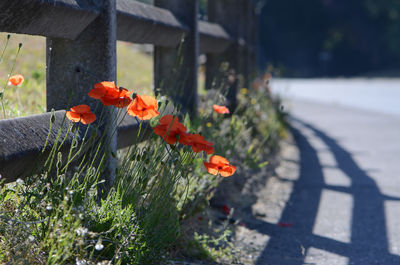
column 369, row 240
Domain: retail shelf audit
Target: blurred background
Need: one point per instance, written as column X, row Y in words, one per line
column 296, row 39
column 327, row 37
column 330, row 37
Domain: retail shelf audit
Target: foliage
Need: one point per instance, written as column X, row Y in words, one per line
column 67, row 214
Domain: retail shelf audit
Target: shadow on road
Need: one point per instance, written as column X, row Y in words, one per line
column 369, row 242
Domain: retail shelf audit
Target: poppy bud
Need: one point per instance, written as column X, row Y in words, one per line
column 53, row 116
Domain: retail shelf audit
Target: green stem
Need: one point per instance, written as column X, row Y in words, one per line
column 9, row 74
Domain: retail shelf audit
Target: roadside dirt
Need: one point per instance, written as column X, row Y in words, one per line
column 270, row 190
column 246, row 202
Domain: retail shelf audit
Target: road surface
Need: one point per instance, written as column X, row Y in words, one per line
column 344, row 202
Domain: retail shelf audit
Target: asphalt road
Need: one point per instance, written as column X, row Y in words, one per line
column 375, row 94
column 344, row 203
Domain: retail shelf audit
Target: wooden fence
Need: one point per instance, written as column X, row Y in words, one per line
column 81, row 40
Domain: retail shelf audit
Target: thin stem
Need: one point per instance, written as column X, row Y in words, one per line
column 6, row 84
column 5, row 47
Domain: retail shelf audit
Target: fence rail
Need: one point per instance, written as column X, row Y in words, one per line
column 136, row 22
column 82, row 34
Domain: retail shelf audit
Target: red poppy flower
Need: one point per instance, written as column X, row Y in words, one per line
column 219, row 165
column 144, row 107
column 197, row 142
column 185, row 139
column 221, row 109
column 16, row 80
column 110, row 94
column 81, row 113
column 169, row 128
column 226, row 209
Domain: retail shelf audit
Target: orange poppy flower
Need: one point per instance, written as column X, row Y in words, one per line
column 144, row 107
column 81, row 113
column 219, row 165
column 221, row 109
column 197, row 142
column 110, row 94
column 16, row 80
column 169, row 128
column 101, row 89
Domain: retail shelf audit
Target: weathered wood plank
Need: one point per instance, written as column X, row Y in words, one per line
column 23, row 139
column 136, row 22
column 213, row 37
column 51, row 18
column 143, row 23
column 22, row 142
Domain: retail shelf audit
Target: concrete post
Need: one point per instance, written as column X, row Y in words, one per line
column 229, row 14
column 176, row 68
column 74, row 66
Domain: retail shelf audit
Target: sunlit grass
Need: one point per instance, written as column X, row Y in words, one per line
column 30, row 97
column 134, row 68
column 135, row 71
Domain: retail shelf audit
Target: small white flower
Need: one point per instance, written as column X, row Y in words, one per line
column 99, row 246
column 20, row 181
column 81, row 231
column 49, row 207
column 31, row 238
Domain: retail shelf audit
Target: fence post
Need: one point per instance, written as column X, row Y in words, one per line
column 228, row 13
column 74, row 66
column 245, row 33
column 253, row 40
column 175, row 70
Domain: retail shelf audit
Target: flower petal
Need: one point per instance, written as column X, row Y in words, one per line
column 81, row 109
column 221, row 109
column 227, row 171
column 216, row 159
column 100, row 89
column 88, row 118
column 148, row 101
column 73, row 116
column 16, row 79
column 211, row 168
